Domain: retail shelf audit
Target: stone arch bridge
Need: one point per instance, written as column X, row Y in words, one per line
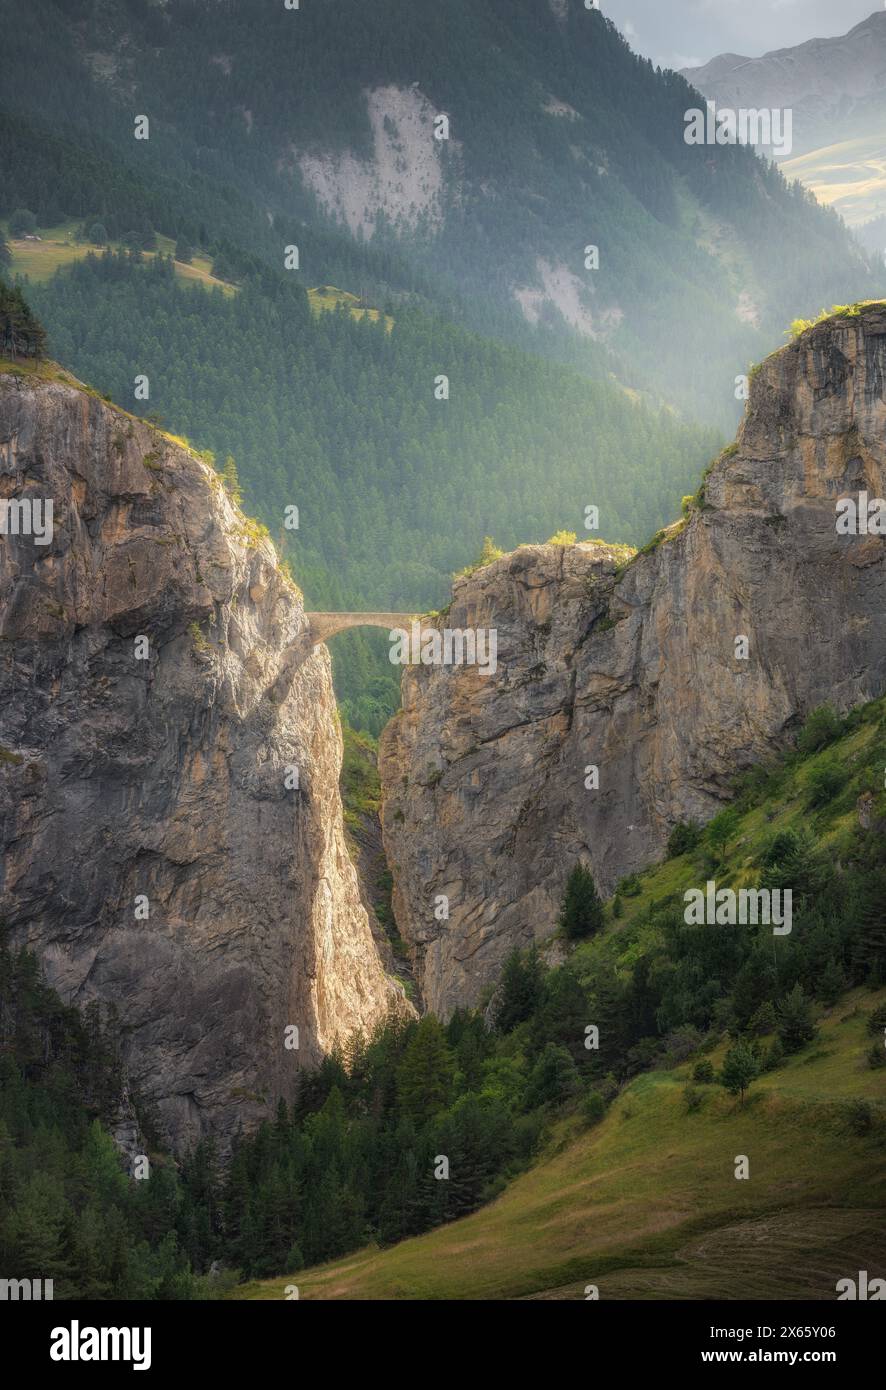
column 324, row 625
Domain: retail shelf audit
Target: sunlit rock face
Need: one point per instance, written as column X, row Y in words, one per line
column 156, row 712
column 639, row 671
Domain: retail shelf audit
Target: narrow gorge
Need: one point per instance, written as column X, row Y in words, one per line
column 172, row 832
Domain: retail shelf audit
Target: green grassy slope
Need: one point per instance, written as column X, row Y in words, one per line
column 646, row 1205
column 58, row 247
column 785, row 805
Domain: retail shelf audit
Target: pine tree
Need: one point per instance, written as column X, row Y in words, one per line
column 426, row 1073
column 397, row 1218
column 519, row 990
column 21, row 333
column 554, row 1078
column 562, row 1014
column 869, row 947
column 831, row 982
column 796, row 1026
column 581, row 914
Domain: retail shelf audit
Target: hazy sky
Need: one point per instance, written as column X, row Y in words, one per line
column 684, row 33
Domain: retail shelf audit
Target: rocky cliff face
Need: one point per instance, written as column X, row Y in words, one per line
column 157, row 692
column 638, row 671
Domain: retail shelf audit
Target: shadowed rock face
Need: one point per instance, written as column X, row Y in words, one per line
column 165, row 777
column 636, row 673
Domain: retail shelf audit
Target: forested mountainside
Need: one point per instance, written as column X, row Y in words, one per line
column 324, row 117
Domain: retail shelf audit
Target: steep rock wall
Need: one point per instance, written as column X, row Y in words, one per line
column 635, row 672
column 165, row 777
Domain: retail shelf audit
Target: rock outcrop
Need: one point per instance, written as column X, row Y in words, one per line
column 637, row 670
column 157, row 695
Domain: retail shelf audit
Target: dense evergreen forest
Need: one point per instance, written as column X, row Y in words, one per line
column 395, row 488
column 357, row 1157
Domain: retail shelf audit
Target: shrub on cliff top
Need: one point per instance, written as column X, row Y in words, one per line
column 489, row 552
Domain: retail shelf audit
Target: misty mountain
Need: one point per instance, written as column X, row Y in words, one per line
column 836, row 89
column 547, row 196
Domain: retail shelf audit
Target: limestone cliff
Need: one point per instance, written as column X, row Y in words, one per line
column 633, row 669
column 159, row 785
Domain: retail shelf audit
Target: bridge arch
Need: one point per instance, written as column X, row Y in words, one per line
column 325, row 625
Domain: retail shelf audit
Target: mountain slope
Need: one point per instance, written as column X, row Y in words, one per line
column 825, row 82
column 835, row 89
column 647, row 1204
column 573, row 142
